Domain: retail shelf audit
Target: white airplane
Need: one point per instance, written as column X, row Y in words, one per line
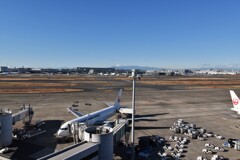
column 235, row 101
column 90, row 119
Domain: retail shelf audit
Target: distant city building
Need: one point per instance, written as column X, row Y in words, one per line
column 91, row 71
column 165, row 72
column 13, row 70
column 86, row 70
column 116, row 71
column 150, row 72
column 4, row 69
column 36, row 70
column 50, row 70
column 65, row 71
column 24, row 70
column 215, row 72
column 188, row 72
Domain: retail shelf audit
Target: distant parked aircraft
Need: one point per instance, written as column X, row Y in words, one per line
column 235, row 101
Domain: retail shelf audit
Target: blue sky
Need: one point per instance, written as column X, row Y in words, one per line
column 103, row 33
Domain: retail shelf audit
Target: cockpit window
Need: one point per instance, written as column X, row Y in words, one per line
column 63, row 129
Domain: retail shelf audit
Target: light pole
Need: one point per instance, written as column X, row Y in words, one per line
column 133, row 112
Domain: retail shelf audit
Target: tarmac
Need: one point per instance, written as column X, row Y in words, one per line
column 207, row 107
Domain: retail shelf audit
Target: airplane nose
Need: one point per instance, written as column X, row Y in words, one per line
column 59, row 133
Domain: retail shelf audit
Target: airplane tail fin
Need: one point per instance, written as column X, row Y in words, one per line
column 118, row 99
column 235, row 101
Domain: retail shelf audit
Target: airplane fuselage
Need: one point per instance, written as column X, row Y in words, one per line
column 88, row 119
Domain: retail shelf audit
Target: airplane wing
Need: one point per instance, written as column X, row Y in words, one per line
column 107, row 104
column 75, row 113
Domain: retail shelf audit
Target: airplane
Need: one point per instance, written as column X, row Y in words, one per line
column 96, row 117
column 235, row 101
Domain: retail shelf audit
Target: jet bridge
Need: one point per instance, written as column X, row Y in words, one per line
column 25, row 114
column 119, row 130
column 97, row 142
column 78, row 151
column 7, row 119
